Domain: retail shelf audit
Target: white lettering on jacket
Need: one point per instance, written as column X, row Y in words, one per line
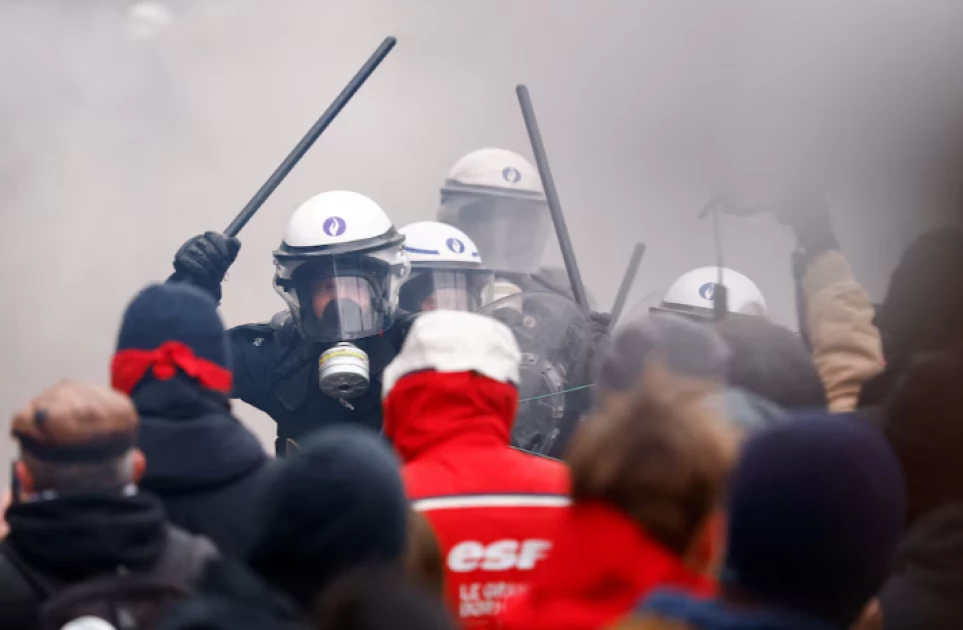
column 501, row 555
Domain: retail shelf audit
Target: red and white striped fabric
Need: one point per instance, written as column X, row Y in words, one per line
column 449, row 408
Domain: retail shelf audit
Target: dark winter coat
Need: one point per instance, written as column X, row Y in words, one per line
column 925, row 590
column 205, row 466
column 277, row 372
column 54, row 543
column 230, row 596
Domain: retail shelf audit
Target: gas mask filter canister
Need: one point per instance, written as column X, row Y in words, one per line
column 343, row 371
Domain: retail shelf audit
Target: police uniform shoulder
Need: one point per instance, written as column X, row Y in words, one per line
column 280, row 324
column 251, row 334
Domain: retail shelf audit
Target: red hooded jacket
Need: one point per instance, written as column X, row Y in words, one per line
column 493, row 508
column 602, row 565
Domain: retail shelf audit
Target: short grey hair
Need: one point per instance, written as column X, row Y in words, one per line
column 81, row 478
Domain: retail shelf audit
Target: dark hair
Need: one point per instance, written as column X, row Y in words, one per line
column 379, row 598
column 772, row 362
column 423, row 562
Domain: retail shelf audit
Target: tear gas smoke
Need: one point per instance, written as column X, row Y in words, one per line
column 126, row 128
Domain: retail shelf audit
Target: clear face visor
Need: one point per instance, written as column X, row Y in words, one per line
column 340, row 300
column 447, row 289
column 510, row 232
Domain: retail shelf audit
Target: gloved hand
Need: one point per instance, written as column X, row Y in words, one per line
column 808, row 216
column 204, row 260
column 600, row 323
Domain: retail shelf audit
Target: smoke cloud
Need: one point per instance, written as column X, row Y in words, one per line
column 124, row 131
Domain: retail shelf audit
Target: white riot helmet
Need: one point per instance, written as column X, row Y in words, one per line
column 340, row 267
column 692, row 294
column 495, row 197
column 446, row 270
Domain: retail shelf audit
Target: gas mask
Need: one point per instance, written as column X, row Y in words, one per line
column 343, row 369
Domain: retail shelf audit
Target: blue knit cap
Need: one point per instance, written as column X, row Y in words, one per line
column 816, row 508
column 175, row 312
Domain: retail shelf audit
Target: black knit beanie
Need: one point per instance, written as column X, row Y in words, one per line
column 337, row 504
column 816, row 511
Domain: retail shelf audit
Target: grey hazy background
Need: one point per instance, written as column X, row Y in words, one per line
column 114, row 149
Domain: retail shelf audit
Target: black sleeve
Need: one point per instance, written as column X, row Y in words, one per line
column 253, row 353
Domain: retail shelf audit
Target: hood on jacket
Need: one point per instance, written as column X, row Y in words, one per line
column 191, row 441
column 454, row 379
column 713, row 614
column 599, row 568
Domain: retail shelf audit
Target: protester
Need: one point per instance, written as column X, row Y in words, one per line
column 835, row 312
column 690, row 349
column 335, row 505
column 815, row 508
column 647, row 474
column 79, row 515
column 450, row 402
column 772, row 363
column 379, row 599
column 923, row 308
column 923, row 419
column 338, row 504
column 173, row 359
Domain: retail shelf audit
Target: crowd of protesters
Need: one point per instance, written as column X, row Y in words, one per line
column 730, row 475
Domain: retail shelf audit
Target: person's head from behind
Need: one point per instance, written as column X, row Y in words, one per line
column 685, row 347
column 336, row 504
column 379, row 598
column 77, row 439
column 771, row 362
column 815, row 510
column 457, row 373
column 660, row 455
column 171, row 332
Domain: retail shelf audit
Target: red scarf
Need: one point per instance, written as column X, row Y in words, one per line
column 129, row 367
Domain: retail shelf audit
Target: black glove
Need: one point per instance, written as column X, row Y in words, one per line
column 600, row 323
column 204, row 260
column 808, row 216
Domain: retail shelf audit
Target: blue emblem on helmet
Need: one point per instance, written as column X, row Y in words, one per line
column 334, row 226
column 455, row 245
column 511, row 175
column 707, row 290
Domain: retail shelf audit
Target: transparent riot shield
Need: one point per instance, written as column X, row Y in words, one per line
column 556, row 341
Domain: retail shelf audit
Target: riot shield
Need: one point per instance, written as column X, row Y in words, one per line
column 556, row 341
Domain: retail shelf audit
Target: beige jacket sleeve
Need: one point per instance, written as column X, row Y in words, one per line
column 839, row 317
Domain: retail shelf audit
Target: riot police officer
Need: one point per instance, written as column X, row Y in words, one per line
column 339, row 270
column 446, row 270
column 692, row 294
column 495, row 197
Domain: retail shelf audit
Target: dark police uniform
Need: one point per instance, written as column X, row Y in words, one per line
column 277, row 372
